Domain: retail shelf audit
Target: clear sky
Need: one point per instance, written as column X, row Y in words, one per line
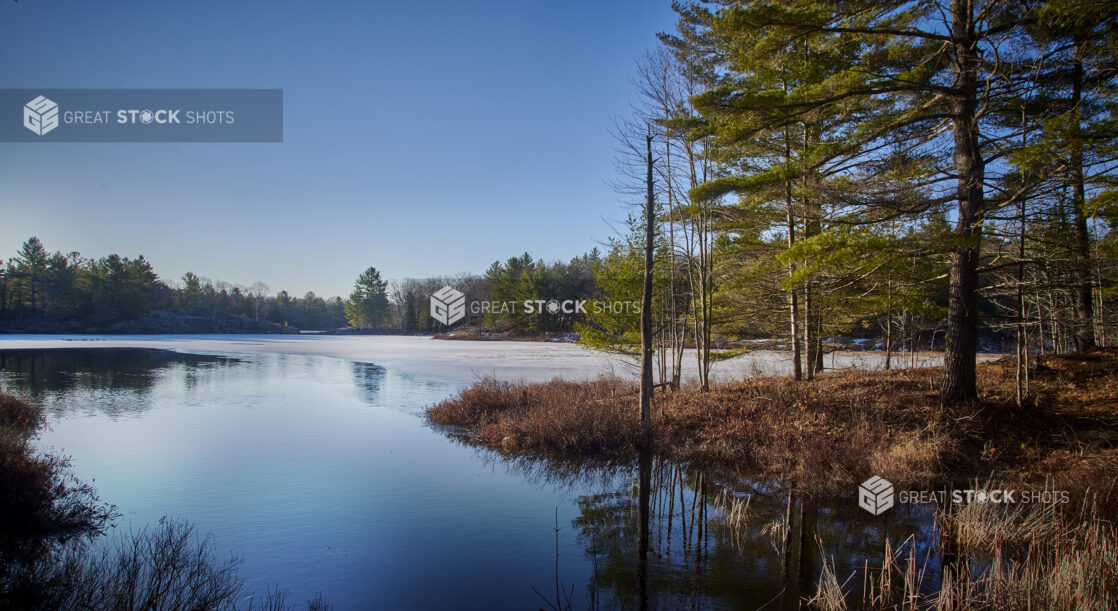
column 422, row 138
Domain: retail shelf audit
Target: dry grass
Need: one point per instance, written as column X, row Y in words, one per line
column 19, row 417
column 558, row 418
column 829, row 594
column 43, row 504
column 823, row 434
column 732, row 510
column 1018, row 556
column 986, row 527
column 828, row 434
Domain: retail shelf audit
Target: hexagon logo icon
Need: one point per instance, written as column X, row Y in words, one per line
column 40, row 115
column 875, row 495
column 448, row 306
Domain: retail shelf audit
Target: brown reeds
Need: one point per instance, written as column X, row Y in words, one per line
column 559, row 418
column 1006, row 556
column 825, row 435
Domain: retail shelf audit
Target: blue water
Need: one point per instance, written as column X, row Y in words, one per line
column 323, row 476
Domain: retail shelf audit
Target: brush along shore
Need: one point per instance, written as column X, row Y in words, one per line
column 828, row 434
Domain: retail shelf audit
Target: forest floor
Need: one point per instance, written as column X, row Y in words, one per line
column 828, row 434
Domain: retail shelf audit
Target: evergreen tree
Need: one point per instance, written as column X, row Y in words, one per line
column 917, row 72
column 367, row 305
column 31, row 266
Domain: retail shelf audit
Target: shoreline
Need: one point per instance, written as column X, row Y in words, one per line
column 827, row 435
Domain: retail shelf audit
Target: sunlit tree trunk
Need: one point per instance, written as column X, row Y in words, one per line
column 959, row 384
column 646, row 303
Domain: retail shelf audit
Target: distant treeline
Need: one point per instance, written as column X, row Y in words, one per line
column 515, row 281
column 44, row 291
column 41, row 290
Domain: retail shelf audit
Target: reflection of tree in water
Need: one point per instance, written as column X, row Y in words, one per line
column 695, row 559
column 38, row 373
column 689, row 563
column 368, row 378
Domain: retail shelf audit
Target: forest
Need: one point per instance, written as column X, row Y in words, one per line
column 924, row 171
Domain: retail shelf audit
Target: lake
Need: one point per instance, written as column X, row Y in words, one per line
column 312, row 460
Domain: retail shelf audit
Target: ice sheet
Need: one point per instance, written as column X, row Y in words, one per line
column 456, row 360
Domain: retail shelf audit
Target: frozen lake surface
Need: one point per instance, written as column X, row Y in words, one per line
column 458, row 361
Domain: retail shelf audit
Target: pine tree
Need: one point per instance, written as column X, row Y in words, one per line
column 367, row 305
column 30, row 266
column 917, row 71
column 1077, row 131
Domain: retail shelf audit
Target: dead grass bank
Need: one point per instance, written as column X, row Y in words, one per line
column 828, row 434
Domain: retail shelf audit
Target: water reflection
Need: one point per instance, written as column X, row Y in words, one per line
column 669, row 537
column 99, row 372
column 320, row 473
column 644, row 483
column 368, row 378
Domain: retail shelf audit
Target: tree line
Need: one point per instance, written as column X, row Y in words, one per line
column 37, row 286
column 505, row 287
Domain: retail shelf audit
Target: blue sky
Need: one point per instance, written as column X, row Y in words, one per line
column 421, row 138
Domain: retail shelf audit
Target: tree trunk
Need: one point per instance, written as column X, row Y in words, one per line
column 1022, row 374
column 888, row 339
column 1084, row 336
column 1100, row 321
column 818, row 342
column 814, row 226
column 809, row 332
column 958, row 384
column 702, row 347
column 793, row 310
column 646, row 304
column 793, row 306
column 813, row 323
column 678, row 329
